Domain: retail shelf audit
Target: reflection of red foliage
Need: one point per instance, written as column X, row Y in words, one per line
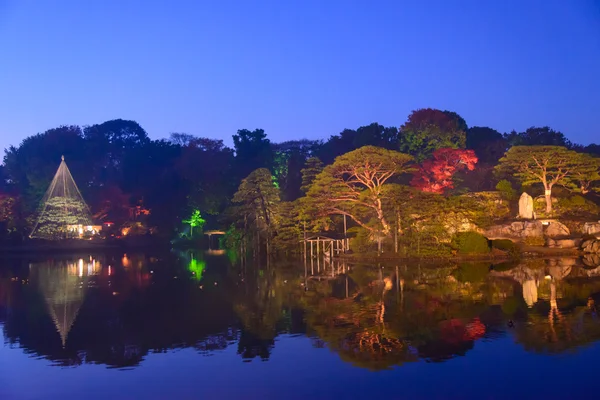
column 454, row 331
column 435, row 175
column 475, row 329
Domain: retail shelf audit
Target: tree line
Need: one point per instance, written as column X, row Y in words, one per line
column 388, row 182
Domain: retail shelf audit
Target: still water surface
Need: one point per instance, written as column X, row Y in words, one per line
column 209, row 326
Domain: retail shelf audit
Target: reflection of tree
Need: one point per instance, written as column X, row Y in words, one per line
column 259, row 306
column 375, row 318
column 560, row 314
column 122, row 319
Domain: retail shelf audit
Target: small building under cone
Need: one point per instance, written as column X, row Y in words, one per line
column 63, row 213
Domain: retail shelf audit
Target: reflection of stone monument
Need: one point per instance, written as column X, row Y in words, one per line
column 526, row 206
column 530, row 292
column 63, row 286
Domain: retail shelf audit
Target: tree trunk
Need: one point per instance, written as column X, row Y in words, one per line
column 548, row 197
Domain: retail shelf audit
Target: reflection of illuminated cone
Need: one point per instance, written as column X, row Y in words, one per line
column 530, row 293
column 63, row 290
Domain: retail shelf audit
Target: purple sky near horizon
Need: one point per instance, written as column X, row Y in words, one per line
column 298, row 69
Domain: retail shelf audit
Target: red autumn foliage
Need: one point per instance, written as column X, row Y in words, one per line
column 435, row 175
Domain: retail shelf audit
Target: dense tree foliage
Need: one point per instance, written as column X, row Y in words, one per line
column 427, row 130
column 546, row 165
column 270, row 194
column 435, row 175
column 354, row 186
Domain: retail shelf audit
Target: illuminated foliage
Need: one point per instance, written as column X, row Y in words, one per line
column 548, row 165
column 195, row 220
column 312, row 168
column 353, row 186
column 585, row 175
column 257, row 200
column 427, row 130
column 61, row 207
column 197, row 267
column 7, row 204
column 435, row 175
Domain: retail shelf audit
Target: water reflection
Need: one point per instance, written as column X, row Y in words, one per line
column 117, row 309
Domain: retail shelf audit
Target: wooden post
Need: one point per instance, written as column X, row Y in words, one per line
column 311, row 249
column 304, row 240
column 396, row 235
column 345, row 231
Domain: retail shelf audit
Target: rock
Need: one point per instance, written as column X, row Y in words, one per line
column 526, row 206
column 556, row 229
column 532, row 229
column 515, row 230
column 591, row 228
column 563, row 243
column 566, row 243
column 567, row 262
column 591, row 246
column 591, row 260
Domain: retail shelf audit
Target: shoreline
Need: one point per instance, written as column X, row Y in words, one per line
column 526, row 252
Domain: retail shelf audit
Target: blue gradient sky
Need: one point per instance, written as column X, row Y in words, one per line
column 306, row 68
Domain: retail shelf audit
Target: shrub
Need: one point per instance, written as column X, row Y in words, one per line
column 470, row 243
column 361, row 242
column 505, row 266
column 507, row 245
column 506, row 190
column 471, row 272
column 534, row 241
column 576, row 205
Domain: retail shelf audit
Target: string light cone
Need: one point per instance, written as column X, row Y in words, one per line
column 63, row 213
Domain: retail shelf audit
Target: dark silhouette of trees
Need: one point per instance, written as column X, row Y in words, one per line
column 538, row 137
column 488, row 144
column 252, row 151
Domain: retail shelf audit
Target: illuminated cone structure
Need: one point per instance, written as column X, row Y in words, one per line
column 62, row 210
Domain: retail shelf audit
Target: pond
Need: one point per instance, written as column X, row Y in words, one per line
column 209, row 325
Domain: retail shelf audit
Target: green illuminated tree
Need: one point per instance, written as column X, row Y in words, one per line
column 548, row 165
column 194, row 220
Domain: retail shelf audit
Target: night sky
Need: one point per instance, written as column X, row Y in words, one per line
column 298, row 69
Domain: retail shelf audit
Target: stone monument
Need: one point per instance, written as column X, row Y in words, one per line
column 526, row 206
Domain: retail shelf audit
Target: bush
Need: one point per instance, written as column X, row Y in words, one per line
column 534, row 241
column 505, row 266
column 361, row 242
column 470, row 243
column 576, row 206
column 508, row 246
column 506, row 190
column 472, row 272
